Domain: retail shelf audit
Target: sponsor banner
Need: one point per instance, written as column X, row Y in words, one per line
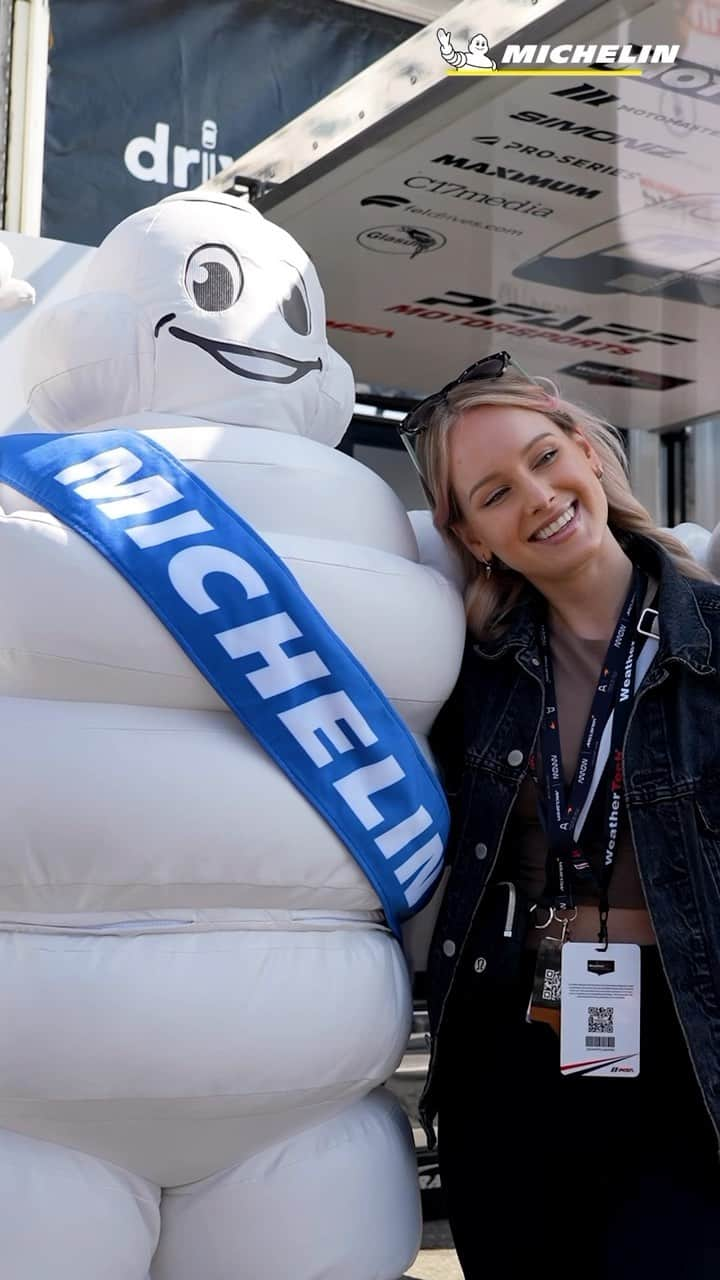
column 612, row 375
column 580, row 223
column 216, row 78
column 475, row 59
column 368, row 329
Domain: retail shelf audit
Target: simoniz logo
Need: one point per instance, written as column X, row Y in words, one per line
column 594, row 135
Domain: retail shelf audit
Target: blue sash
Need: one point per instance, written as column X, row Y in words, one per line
column 257, row 639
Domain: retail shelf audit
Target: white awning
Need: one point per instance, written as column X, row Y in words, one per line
column 573, row 220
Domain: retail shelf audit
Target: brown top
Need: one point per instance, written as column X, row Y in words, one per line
column 576, row 667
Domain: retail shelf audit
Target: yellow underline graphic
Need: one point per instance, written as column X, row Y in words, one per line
column 585, row 72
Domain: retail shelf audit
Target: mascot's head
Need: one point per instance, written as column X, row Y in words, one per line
column 197, row 307
column 478, row 45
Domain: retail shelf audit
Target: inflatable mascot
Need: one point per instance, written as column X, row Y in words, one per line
column 217, row 807
column 13, row 293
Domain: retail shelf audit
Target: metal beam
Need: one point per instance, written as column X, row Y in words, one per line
column 5, row 48
column 423, row 11
column 398, row 80
column 26, row 117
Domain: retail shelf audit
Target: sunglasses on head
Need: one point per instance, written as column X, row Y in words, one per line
column 418, row 419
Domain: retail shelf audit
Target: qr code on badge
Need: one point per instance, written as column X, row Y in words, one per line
column 600, row 1020
column 551, row 985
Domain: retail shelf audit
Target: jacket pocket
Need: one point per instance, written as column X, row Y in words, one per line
column 707, row 804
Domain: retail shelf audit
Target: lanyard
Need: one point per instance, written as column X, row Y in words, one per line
column 612, row 702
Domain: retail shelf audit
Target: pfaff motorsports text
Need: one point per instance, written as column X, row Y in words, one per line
column 539, row 322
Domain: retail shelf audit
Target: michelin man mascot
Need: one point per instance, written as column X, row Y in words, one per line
column 217, row 806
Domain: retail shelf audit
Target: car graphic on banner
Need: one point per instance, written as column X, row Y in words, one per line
column 668, row 250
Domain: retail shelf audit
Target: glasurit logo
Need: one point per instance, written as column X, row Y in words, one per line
column 151, row 159
column 401, row 239
column 543, row 59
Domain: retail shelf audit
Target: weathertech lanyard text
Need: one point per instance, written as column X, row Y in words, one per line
column 613, row 697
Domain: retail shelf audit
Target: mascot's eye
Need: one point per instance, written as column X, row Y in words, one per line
column 294, row 303
column 213, row 277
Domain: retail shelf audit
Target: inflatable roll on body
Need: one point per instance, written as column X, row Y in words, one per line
column 200, row 992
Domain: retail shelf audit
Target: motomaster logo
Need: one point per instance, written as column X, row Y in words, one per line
column 475, row 311
column 516, row 175
column 695, row 83
column 595, row 135
column 586, row 93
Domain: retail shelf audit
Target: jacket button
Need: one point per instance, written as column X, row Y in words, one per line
column 535, row 662
column 480, row 964
column 481, row 851
column 449, row 947
column 515, row 758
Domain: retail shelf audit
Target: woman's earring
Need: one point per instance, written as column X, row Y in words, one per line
column 488, row 568
column 599, row 473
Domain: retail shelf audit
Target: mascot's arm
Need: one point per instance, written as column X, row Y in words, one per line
column 447, row 51
column 446, row 743
column 13, row 293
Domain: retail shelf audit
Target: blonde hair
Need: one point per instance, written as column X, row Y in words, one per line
column 489, row 601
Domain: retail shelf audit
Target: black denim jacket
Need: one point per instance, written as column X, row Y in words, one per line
column 671, row 772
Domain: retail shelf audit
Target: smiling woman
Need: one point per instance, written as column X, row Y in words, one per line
column 583, row 723
column 507, row 450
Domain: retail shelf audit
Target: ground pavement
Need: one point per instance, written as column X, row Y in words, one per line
column 437, row 1259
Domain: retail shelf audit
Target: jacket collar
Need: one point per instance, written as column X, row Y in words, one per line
column 683, row 635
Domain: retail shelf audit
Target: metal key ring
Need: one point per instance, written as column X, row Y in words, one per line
column 551, row 916
column 563, row 919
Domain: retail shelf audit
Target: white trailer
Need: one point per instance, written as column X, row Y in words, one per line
column 572, row 216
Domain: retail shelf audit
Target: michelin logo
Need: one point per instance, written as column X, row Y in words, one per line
column 149, row 159
column 474, row 56
column 612, row 58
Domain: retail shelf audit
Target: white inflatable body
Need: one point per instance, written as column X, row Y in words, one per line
column 198, row 994
column 712, row 553
column 696, row 538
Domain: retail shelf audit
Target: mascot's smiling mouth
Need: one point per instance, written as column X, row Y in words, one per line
column 221, row 351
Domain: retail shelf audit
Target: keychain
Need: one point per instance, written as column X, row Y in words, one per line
column 544, row 1003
